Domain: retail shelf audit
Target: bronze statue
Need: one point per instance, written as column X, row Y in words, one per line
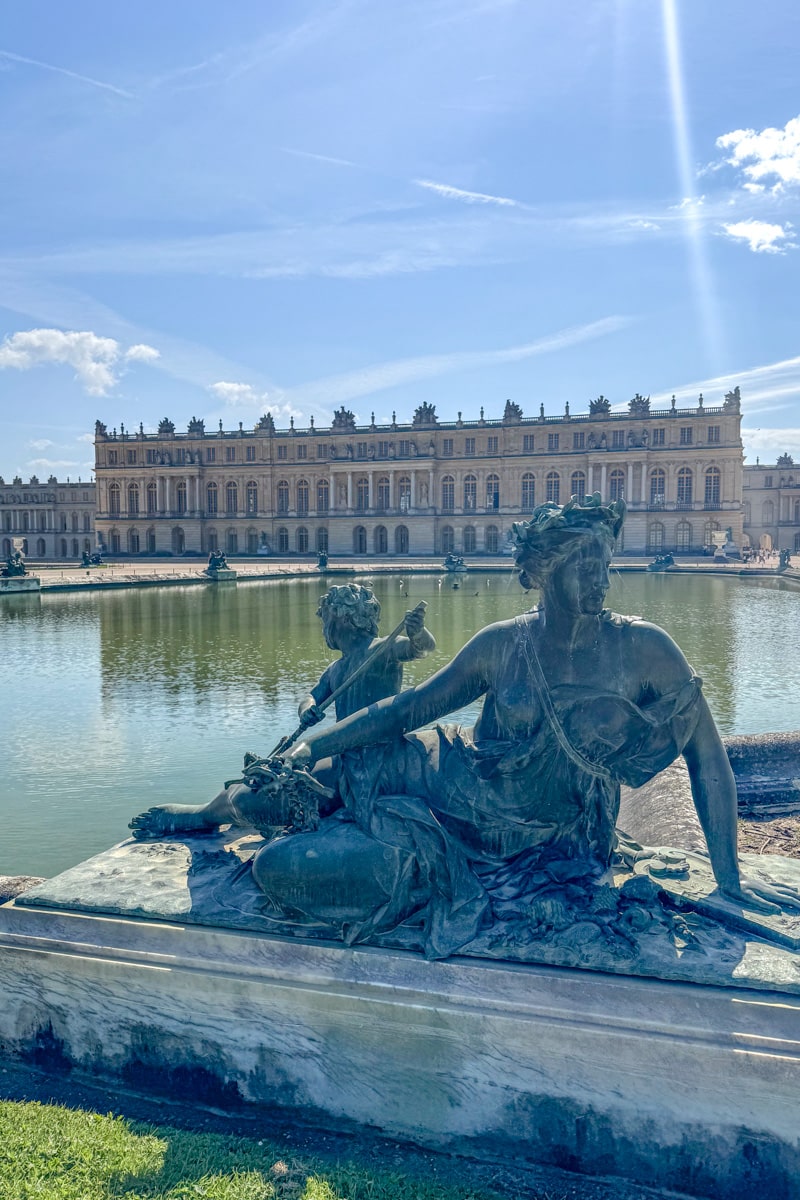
column 454, row 831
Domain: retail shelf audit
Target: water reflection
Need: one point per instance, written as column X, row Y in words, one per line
column 114, row 701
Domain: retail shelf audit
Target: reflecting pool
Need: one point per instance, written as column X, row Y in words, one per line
column 114, row 701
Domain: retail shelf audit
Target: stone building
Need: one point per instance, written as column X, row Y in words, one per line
column 771, row 503
column 422, row 488
column 53, row 520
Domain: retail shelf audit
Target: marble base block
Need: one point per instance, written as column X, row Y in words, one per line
column 685, row 1086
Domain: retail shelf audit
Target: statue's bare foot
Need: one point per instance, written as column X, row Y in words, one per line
column 172, row 818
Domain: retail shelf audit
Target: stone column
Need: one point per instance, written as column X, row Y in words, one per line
column 413, row 499
column 629, row 485
column 371, row 490
column 603, row 482
column 332, row 492
column 350, row 491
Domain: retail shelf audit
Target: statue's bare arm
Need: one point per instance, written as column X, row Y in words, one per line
column 463, row 680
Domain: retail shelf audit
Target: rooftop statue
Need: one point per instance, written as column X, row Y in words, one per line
column 446, row 838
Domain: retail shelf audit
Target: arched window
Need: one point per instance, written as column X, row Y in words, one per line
column 616, row 485
column 114, row 500
column 231, row 542
column 180, row 496
column 658, row 488
column 381, row 539
column 283, row 496
column 470, row 493
column 712, row 488
column 493, row 491
column 796, row 511
column 383, row 493
column 87, row 523
column 404, row 493
column 6, row 547
column 283, row 540
column 683, row 536
column 684, row 486
column 114, row 545
column 43, row 521
column 302, row 497
column 401, row 540
column 491, row 539
column 231, row 497
column 528, row 491
column 212, row 498
column 655, row 537
column 75, row 550
column 359, row 540
column 577, row 485
column 133, row 541
column 323, row 496
column 553, row 487
column 301, row 538
column 178, row 540
column 709, row 529
column 322, row 540
column 251, row 498
column 252, row 541
column 87, row 545
column 747, row 510
column 75, row 517
column 62, row 522
column 26, row 521
column 362, row 499
column 767, row 512
column 133, row 499
column 448, row 538
column 470, row 541
column 151, row 541
column 40, row 547
column 448, row 493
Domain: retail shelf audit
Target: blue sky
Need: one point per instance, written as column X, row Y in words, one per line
column 214, row 209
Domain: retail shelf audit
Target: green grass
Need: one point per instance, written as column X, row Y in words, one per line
column 52, row 1153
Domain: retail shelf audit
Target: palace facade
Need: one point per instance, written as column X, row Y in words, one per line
column 771, row 503
column 423, row 488
column 47, row 520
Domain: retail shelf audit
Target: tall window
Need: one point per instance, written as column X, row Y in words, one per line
column 493, row 491
column 470, row 541
column 552, row 441
column 383, row 493
column 684, row 486
column 655, row 538
column 180, row 496
column 133, row 541
column 113, row 500
column 322, row 540
column 87, row 523
column 553, row 487
column 528, row 440
column 491, row 445
column 381, row 539
column 302, row 540
column 359, row 540
column 683, row 536
column 492, row 539
column 469, row 447
column 404, row 493
column 302, row 497
column 616, row 485
column 212, row 499
column 712, row 490
column 283, row 497
column 658, row 488
column 231, row 497
column 75, row 515
column 577, row 485
column 448, row 493
column 251, row 497
column 362, row 500
column 323, row 496
column 448, row 539
column 447, row 447
column 470, row 493
column 401, row 540
column 578, row 441
column 283, row 540
column 686, row 435
column 528, row 491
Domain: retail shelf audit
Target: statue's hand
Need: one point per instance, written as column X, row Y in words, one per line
column 763, row 897
column 414, row 622
column 311, row 716
column 299, row 756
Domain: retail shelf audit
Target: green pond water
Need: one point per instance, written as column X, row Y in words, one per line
column 111, row 702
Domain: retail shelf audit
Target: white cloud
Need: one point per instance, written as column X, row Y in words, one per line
column 772, row 154
column 40, row 443
column 245, row 396
column 768, row 444
column 454, row 193
column 639, row 223
column 97, row 361
column 763, row 237
column 51, row 464
column 85, row 437
column 759, row 386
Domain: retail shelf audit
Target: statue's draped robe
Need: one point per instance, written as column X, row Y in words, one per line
column 478, row 828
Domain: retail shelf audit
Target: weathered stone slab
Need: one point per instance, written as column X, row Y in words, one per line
column 682, row 1086
column 673, row 933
